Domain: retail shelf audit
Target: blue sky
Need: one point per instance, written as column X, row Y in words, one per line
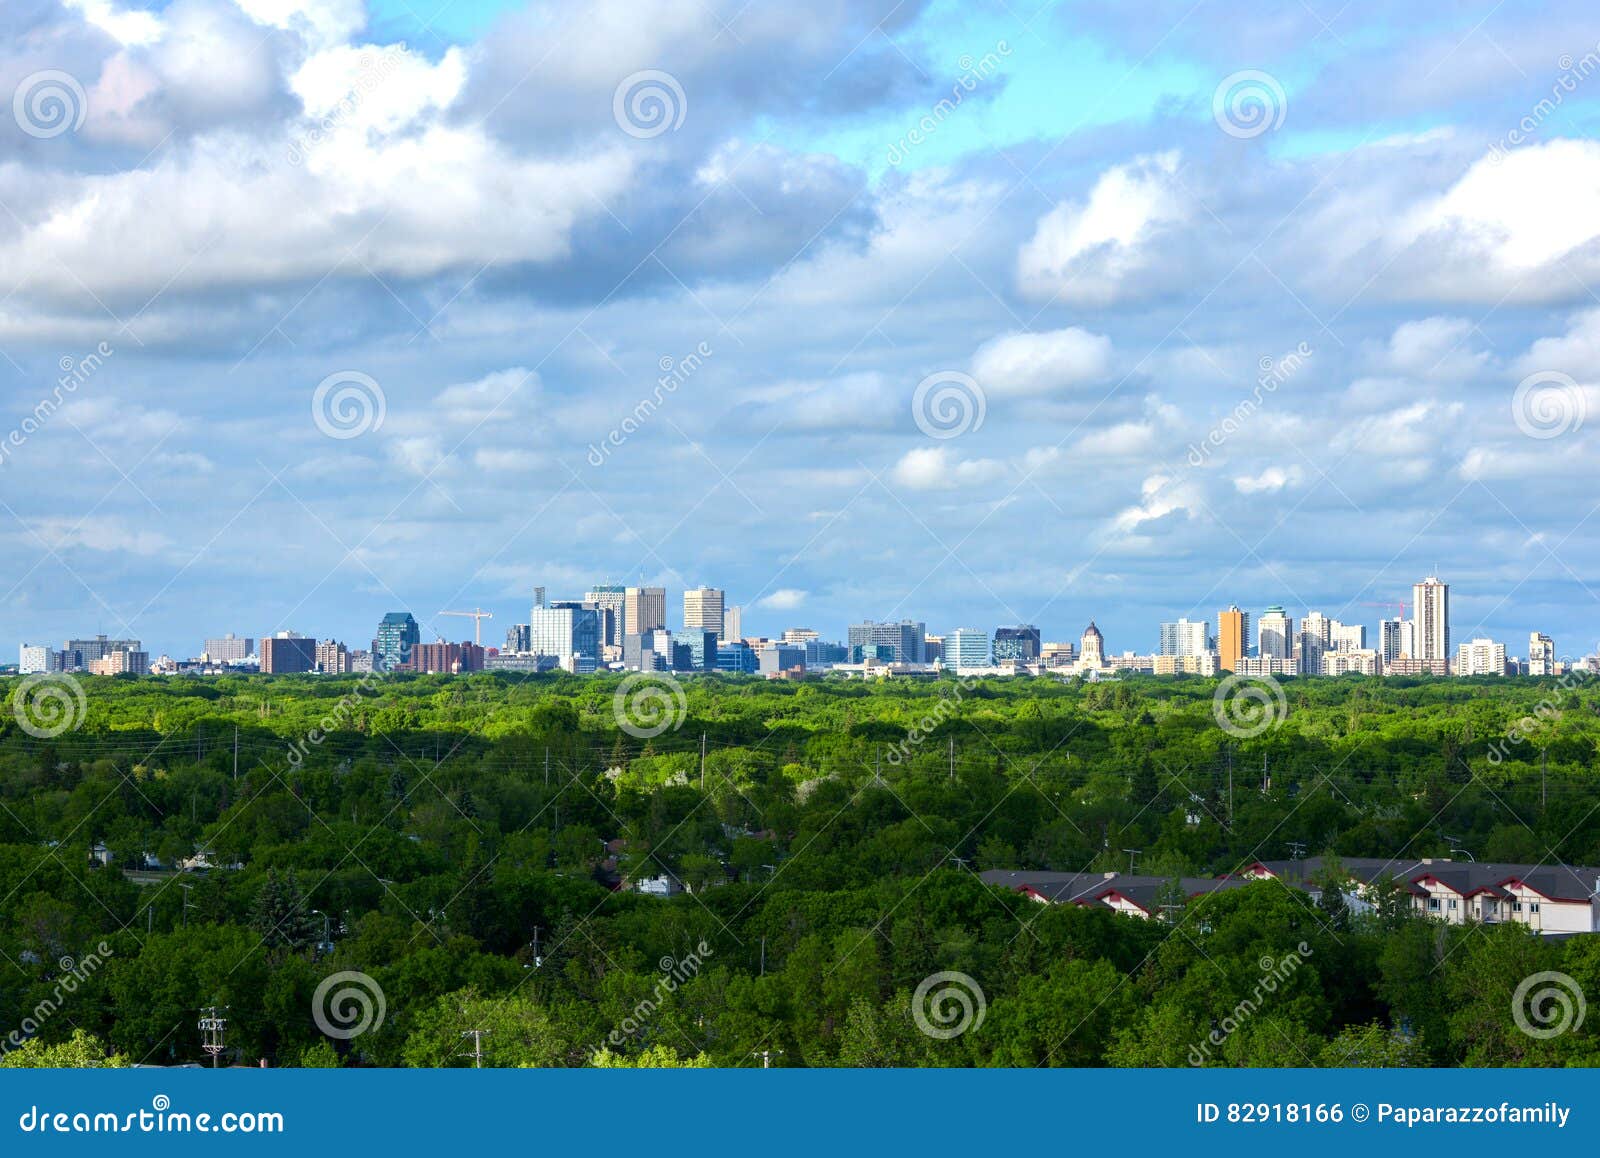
column 1287, row 310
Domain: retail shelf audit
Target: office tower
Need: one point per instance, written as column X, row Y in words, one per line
column 230, row 648
column 648, row 650
column 776, row 658
column 89, row 650
column 822, row 654
column 1481, row 657
column 611, row 601
column 732, row 624
column 397, row 635
column 897, row 642
column 35, row 659
column 1277, row 642
column 1311, row 642
column 1541, row 654
column 332, row 658
column 1057, row 654
column 800, row 635
column 518, row 639
column 933, row 648
column 1020, row 643
column 1431, row 613
column 644, row 609
column 703, row 609
column 287, row 653
column 1092, row 647
column 698, row 650
column 1347, row 636
column 1183, row 638
column 565, row 629
column 1233, row 637
column 967, row 647
column 736, row 656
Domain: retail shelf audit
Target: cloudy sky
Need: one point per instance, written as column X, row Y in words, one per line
column 969, row 313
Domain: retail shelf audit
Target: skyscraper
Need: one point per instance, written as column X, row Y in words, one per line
column 1313, row 640
column 967, row 647
column 644, row 609
column 287, row 653
column 565, row 629
column 610, row 599
column 1233, row 637
column 397, row 634
column 1020, row 643
column 732, row 624
column 1541, row 654
column 703, row 610
column 1396, row 638
column 1184, row 638
column 1277, row 630
column 230, row 648
column 1431, row 603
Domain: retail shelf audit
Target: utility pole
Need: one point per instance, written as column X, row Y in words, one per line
column 763, row 956
column 702, row 761
column 213, row 1031
column 1297, row 850
column 952, row 759
column 185, row 889
column 1544, row 769
column 477, row 1036
column 1230, row 787
column 765, row 1055
column 1132, row 854
column 547, row 765
column 236, row 751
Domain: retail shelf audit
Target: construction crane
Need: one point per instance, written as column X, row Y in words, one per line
column 477, row 615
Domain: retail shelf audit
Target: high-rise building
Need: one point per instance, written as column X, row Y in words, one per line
column 1541, row 654
column 644, row 609
column 391, row 647
column 1184, row 638
column 1233, row 638
column 518, row 639
column 445, row 658
column 332, row 657
column 776, row 658
column 89, row 650
column 35, row 658
column 1020, row 643
column 732, row 623
column 1481, row 657
column 647, row 651
column 121, row 662
column 230, row 648
column 898, row 642
column 737, row 656
column 286, row 653
column 1397, row 638
column 611, row 601
column 967, row 647
column 1431, row 604
column 1312, row 642
column 565, row 629
column 1057, row 654
column 800, row 635
column 1347, row 636
column 1277, row 635
column 703, row 609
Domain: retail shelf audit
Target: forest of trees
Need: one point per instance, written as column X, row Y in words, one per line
column 461, row 842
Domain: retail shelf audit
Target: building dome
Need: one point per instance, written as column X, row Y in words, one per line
column 1093, row 632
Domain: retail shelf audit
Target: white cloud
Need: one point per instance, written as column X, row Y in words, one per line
column 937, row 468
column 1097, row 252
column 784, row 599
column 1274, row 478
column 1030, row 364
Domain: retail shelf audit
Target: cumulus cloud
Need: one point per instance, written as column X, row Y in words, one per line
column 1032, row 364
column 1274, row 478
column 783, row 599
column 1102, row 250
column 939, row 468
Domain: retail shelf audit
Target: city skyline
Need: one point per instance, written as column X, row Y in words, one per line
column 1425, row 633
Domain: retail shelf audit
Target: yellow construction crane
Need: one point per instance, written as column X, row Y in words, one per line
column 477, row 615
